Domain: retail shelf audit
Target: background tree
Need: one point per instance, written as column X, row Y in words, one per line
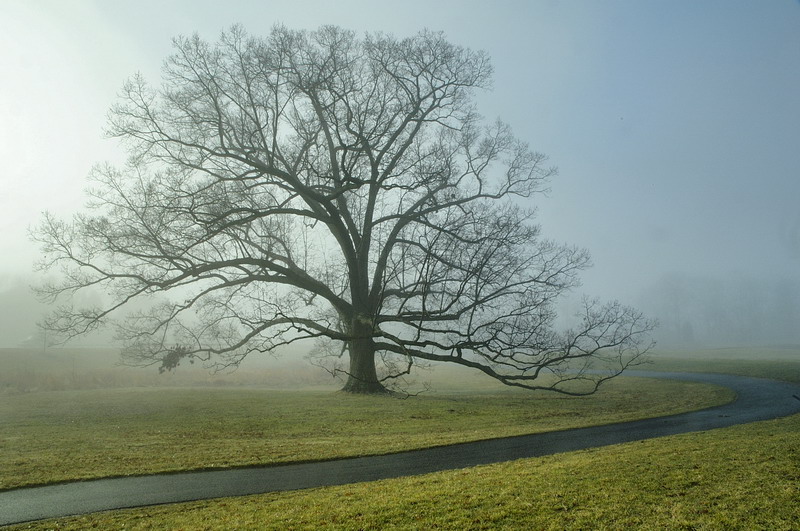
column 318, row 185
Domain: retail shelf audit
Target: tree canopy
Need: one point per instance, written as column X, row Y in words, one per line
column 321, row 185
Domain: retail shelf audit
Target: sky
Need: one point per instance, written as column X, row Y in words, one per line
column 675, row 126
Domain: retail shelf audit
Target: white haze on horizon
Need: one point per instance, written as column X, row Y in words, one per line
column 674, row 126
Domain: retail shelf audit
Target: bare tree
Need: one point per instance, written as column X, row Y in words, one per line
column 321, row 185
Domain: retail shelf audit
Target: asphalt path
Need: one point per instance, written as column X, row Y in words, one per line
column 757, row 399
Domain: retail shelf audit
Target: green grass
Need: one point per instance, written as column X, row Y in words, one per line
column 775, row 363
column 745, row 477
column 49, row 437
column 63, row 369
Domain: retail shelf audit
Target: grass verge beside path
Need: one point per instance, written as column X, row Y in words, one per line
column 58, row 436
column 744, row 477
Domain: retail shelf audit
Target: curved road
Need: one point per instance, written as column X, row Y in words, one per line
column 757, row 399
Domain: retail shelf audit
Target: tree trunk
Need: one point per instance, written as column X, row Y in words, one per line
column 363, row 378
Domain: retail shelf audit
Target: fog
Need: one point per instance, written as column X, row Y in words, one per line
column 674, row 126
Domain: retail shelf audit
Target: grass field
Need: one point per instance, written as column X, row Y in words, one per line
column 47, row 437
column 741, row 478
column 745, row 477
column 778, row 363
column 34, row 370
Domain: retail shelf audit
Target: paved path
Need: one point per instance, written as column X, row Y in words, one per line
column 757, row 399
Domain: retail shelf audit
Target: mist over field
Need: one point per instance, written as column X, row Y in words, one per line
column 673, row 125
column 693, row 312
column 531, row 263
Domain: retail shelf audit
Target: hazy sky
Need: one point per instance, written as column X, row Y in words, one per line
column 675, row 124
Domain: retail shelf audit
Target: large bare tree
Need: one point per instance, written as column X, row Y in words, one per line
column 322, row 185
